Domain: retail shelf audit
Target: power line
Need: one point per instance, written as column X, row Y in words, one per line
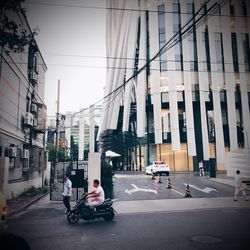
column 120, row 9
column 180, row 32
column 110, row 67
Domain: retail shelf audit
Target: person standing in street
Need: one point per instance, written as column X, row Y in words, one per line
column 238, row 186
column 67, row 191
column 201, row 168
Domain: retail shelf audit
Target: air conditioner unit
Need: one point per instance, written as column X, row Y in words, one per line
column 33, row 108
column 28, row 119
column 35, row 122
column 12, row 151
column 25, row 154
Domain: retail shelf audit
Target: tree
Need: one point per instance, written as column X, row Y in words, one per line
column 13, row 37
column 61, row 154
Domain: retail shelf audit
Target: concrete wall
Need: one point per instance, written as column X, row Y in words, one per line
column 94, row 169
column 18, row 93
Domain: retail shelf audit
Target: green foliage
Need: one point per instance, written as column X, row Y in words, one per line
column 106, row 179
column 12, row 35
column 61, row 154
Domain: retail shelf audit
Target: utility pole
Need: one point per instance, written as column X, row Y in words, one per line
column 57, row 119
column 53, row 167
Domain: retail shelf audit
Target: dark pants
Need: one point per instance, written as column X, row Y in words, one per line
column 66, row 202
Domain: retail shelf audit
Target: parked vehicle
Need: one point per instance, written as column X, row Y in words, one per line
column 3, row 211
column 83, row 211
column 158, row 168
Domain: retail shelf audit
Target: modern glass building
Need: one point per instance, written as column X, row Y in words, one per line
column 178, row 82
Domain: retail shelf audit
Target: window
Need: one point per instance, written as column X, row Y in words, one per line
column 219, row 51
column 176, row 28
column 246, row 50
column 231, row 8
column 162, row 36
column 205, row 42
column 243, row 8
column 235, row 52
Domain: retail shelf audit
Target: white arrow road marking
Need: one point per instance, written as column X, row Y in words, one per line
column 204, row 190
column 137, row 189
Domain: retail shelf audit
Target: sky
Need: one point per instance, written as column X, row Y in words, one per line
column 72, row 42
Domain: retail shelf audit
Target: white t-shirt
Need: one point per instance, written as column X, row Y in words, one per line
column 201, row 164
column 99, row 190
column 67, row 185
column 237, row 179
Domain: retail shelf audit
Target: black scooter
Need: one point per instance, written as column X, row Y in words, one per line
column 83, row 211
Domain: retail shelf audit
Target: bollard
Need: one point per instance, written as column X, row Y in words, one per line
column 169, row 186
column 188, row 192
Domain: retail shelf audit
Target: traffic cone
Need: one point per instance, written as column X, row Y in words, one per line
column 188, row 192
column 159, row 179
column 169, row 186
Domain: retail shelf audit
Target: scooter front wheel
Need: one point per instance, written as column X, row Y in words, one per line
column 73, row 217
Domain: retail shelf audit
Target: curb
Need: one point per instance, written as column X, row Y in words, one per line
column 221, row 182
column 20, row 209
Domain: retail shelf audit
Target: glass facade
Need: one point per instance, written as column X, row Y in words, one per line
column 235, row 52
column 246, row 50
column 192, row 40
column 162, row 36
column 219, row 51
column 176, row 29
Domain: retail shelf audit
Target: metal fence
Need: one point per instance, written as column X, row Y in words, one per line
column 78, row 174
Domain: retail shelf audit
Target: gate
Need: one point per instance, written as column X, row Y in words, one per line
column 78, row 174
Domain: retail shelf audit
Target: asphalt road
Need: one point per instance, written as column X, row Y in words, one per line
column 128, row 186
column 45, row 228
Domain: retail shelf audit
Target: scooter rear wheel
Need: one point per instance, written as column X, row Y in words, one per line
column 110, row 216
column 73, row 217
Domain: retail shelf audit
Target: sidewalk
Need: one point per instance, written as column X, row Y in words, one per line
column 18, row 204
column 224, row 179
column 174, row 205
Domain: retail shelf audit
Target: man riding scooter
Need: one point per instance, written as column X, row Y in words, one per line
column 97, row 196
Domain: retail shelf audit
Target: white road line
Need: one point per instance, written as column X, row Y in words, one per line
column 137, row 189
column 176, row 191
column 206, row 190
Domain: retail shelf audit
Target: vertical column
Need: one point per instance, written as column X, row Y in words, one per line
column 91, row 129
column 229, row 78
column 217, row 85
column 141, row 80
column 244, row 76
column 174, row 77
column 81, row 136
column 133, row 24
column 94, row 169
column 203, row 85
column 155, row 71
column 188, row 88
